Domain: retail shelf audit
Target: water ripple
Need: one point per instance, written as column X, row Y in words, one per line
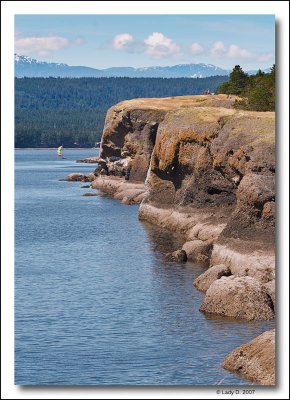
column 95, row 301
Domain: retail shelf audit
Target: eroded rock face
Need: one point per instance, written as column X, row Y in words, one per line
column 129, row 134
column 131, row 127
column 197, row 151
column 254, row 360
column 182, row 160
column 238, row 297
column 209, row 173
column 255, row 211
column 215, row 157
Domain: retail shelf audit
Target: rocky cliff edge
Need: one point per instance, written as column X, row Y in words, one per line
column 205, row 170
column 209, row 173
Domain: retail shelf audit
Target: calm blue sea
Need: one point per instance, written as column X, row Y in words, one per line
column 96, row 303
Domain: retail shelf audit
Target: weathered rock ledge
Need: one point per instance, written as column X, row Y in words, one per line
column 89, row 160
column 79, row 177
column 127, row 192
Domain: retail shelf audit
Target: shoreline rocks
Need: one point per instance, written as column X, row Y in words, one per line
column 126, row 192
column 89, row 160
column 254, row 360
column 89, row 194
column 198, row 250
column 204, row 281
column 238, row 297
column 245, row 259
column 179, row 256
column 79, row 177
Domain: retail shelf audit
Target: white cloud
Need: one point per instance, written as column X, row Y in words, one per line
column 157, row 45
column 235, row 51
column 160, row 46
column 196, row 48
column 218, row 49
column 122, row 41
column 42, row 46
column 126, row 42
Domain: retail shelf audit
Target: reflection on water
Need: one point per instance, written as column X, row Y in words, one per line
column 96, row 302
column 161, row 240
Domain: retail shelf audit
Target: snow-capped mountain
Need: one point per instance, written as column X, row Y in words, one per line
column 175, row 71
column 26, row 66
column 254, row 71
column 30, row 67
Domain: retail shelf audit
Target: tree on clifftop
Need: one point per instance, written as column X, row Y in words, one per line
column 236, row 83
column 257, row 91
column 238, row 79
column 260, row 92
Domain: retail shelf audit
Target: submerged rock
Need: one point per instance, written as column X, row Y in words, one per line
column 89, row 160
column 79, row 177
column 197, row 250
column 76, row 176
column 238, row 297
column 179, row 256
column 254, row 360
column 91, row 177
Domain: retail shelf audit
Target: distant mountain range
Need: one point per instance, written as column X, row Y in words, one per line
column 26, row 66
column 30, row 67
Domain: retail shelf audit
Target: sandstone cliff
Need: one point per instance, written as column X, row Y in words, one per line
column 209, row 173
column 199, row 153
column 203, row 169
column 131, row 127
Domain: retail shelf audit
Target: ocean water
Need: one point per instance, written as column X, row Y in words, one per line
column 96, row 303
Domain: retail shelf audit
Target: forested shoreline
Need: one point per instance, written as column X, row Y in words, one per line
column 71, row 111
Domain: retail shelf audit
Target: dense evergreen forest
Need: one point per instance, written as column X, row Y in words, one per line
column 54, row 111
column 257, row 92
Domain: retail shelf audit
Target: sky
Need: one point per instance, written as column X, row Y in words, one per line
column 103, row 41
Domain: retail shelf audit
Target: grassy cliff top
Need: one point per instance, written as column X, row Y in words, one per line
column 183, row 111
column 192, row 116
column 177, row 102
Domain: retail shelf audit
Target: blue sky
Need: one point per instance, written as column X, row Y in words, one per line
column 103, row 41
